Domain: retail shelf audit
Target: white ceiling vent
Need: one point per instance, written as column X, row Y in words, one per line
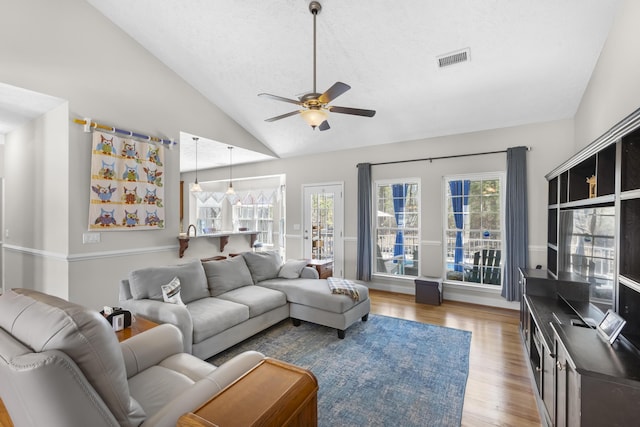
column 453, row 58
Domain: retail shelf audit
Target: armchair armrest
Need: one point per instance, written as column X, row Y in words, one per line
column 150, row 348
column 205, row 389
column 163, row 312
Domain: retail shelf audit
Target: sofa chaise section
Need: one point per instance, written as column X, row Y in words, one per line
column 312, row 301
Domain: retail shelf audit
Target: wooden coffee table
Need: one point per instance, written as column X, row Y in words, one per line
column 274, row 393
column 138, row 325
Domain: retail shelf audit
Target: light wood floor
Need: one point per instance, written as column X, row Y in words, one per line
column 499, row 388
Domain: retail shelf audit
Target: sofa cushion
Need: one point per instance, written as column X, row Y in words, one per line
column 147, row 283
column 292, row 269
column 263, row 265
column 315, row 293
column 214, row 315
column 226, row 275
column 257, row 298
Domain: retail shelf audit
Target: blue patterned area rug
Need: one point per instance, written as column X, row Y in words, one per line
column 386, row 372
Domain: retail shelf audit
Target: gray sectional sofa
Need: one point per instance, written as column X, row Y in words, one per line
column 225, row 302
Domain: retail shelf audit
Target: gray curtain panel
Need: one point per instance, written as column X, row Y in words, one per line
column 363, row 267
column 517, row 220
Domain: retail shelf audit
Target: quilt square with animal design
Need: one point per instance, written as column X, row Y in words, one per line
column 127, row 190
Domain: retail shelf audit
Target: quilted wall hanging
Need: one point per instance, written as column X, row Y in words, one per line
column 127, row 192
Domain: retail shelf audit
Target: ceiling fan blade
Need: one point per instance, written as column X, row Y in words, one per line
column 273, row 119
column 324, row 126
column 354, row 111
column 333, row 92
column 280, row 98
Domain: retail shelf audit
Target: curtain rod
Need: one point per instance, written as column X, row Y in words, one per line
column 431, row 159
column 88, row 124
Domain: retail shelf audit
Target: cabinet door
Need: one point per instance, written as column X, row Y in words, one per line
column 525, row 326
column 573, row 396
column 548, row 385
column 567, row 390
column 561, row 386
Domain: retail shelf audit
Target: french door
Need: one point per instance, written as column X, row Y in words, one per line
column 323, row 218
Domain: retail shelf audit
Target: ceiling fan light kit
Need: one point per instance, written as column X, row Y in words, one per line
column 314, row 117
column 315, row 109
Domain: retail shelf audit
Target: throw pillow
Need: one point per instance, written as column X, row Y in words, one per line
column 171, row 292
column 263, row 265
column 292, row 269
column 226, row 275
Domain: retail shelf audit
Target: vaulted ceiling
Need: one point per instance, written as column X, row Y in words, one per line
column 529, row 61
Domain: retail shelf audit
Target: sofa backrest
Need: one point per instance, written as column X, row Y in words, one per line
column 147, row 283
column 226, row 275
column 44, row 323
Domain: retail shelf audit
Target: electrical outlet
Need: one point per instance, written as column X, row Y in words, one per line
column 296, row 227
column 6, row 233
column 90, row 238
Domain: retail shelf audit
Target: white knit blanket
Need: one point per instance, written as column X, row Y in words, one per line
column 343, row 287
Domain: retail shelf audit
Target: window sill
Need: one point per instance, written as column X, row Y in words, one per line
column 394, row 276
column 474, row 286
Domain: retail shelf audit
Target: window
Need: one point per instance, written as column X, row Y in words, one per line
column 249, row 215
column 209, row 216
column 397, row 228
column 474, row 229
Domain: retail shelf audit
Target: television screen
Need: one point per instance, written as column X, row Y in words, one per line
column 587, row 247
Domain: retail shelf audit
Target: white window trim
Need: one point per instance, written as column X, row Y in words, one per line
column 374, row 222
column 502, row 176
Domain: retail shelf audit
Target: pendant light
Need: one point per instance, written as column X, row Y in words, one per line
column 230, row 190
column 195, row 187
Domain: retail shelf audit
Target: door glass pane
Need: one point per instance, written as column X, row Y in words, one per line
column 322, row 225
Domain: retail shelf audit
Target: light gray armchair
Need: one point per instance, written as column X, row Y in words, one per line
column 61, row 365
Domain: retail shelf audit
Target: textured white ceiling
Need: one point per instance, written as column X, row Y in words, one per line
column 530, row 62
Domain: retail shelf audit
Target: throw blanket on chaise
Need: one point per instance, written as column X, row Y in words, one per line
column 343, row 287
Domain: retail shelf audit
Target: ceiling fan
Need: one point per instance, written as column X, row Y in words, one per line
column 315, row 105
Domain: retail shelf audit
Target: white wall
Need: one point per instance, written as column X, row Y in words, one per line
column 37, row 203
column 614, row 88
column 69, row 50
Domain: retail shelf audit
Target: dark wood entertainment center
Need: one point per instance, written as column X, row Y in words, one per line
column 593, row 265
